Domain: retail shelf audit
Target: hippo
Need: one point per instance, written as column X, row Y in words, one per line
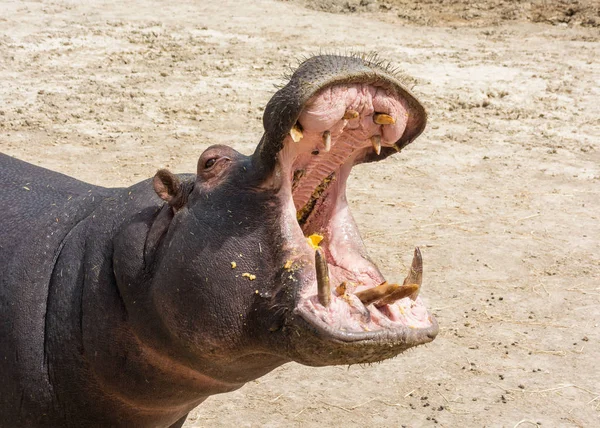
column 130, row 306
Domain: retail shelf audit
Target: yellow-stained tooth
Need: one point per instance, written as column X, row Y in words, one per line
column 327, row 140
column 323, row 284
column 376, row 141
column 350, row 114
column 296, row 133
column 341, row 289
column 383, row 119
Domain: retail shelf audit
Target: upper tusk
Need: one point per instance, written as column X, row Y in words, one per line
column 350, row 114
column 327, row 140
column 296, row 133
column 376, row 142
column 383, row 119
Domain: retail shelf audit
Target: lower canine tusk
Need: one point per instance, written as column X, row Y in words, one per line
column 323, row 286
column 415, row 273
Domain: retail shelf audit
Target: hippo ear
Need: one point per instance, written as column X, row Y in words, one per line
column 168, row 188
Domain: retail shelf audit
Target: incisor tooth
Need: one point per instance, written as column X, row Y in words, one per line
column 406, row 290
column 350, row 114
column 374, row 294
column 341, row 289
column 327, row 140
column 376, row 141
column 386, row 293
column 296, row 133
column 383, row 119
column 323, row 287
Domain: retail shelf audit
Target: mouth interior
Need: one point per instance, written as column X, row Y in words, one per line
column 342, row 126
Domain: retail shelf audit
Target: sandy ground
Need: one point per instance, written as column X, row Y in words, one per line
column 501, row 192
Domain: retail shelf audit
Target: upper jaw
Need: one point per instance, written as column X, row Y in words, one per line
column 326, row 71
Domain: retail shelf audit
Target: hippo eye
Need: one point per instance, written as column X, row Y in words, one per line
column 210, row 163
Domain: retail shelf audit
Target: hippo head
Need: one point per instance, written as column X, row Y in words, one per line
column 261, row 262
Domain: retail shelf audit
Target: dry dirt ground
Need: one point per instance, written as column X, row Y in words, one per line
column 501, row 192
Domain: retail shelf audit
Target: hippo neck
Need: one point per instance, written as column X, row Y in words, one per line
column 96, row 360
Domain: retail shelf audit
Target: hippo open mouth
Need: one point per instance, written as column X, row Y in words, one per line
column 360, row 114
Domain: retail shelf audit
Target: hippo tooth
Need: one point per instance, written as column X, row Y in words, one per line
column 376, row 141
column 327, row 140
column 296, row 133
column 415, row 274
column 323, row 286
column 375, row 294
column 383, row 119
column 386, row 293
column 342, row 288
column 402, row 291
column 350, row 114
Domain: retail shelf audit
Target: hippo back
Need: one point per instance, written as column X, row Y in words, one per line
column 31, row 196
column 39, row 209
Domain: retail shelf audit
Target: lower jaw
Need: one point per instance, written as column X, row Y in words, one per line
column 318, row 345
column 333, row 333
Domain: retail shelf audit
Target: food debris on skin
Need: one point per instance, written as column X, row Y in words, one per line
column 250, row 276
column 233, row 265
column 287, row 265
column 314, row 240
